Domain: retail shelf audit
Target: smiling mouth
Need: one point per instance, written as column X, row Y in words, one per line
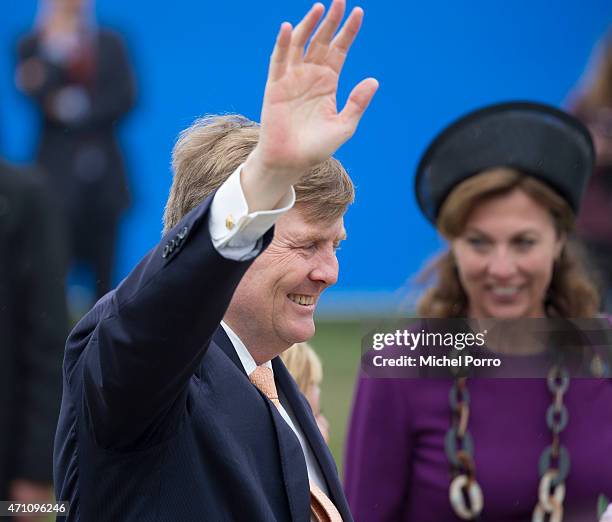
column 504, row 291
column 301, row 299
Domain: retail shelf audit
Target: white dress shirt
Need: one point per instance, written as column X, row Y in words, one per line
column 242, row 239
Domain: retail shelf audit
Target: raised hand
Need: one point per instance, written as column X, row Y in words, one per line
column 300, row 122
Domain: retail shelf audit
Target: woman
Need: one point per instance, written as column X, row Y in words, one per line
column 442, row 450
column 79, row 77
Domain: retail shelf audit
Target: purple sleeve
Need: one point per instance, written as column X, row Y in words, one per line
column 377, row 459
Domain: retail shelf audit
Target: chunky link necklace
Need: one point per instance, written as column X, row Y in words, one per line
column 465, row 494
column 459, row 449
column 553, row 466
column 551, row 491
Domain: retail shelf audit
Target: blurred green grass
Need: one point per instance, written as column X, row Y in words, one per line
column 338, row 344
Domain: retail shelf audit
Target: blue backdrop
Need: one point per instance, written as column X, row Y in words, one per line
column 434, row 61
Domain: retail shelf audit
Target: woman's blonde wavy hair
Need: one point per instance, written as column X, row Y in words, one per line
column 304, row 366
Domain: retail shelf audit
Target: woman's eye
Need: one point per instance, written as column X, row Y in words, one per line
column 477, row 242
column 524, row 243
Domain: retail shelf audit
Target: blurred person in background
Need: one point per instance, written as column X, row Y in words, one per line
column 306, row 369
column 502, row 185
column 79, row 77
column 33, row 328
column 591, row 102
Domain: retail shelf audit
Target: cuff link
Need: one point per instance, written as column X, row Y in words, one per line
column 229, row 222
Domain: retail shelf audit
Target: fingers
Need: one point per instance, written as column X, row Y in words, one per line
column 358, row 102
column 344, row 39
column 280, row 54
column 290, row 44
column 319, row 45
column 319, row 50
column 302, row 32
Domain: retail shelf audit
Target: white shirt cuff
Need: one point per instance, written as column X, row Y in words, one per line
column 235, row 233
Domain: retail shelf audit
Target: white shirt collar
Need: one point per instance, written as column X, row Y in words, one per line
column 248, row 363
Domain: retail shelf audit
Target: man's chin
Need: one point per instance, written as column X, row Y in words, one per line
column 299, row 333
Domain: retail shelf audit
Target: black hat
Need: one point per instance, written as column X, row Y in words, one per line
column 536, row 139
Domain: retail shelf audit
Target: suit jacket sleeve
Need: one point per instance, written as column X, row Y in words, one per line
column 113, row 92
column 54, row 76
column 132, row 356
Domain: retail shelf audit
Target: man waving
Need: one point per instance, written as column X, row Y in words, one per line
column 175, row 405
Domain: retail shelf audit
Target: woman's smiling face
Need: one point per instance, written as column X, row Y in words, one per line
column 505, row 256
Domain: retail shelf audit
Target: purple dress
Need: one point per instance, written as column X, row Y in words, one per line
column 396, row 468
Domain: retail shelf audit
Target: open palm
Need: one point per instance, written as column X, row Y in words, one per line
column 300, row 123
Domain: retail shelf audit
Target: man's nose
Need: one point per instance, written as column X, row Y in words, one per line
column 325, row 268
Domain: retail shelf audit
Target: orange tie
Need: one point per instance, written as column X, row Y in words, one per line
column 321, row 507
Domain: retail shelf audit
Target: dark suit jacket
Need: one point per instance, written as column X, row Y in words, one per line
column 33, row 325
column 159, row 421
column 83, row 158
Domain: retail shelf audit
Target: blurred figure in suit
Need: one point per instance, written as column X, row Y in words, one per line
column 306, row 369
column 592, row 103
column 79, row 77
column 33, row 328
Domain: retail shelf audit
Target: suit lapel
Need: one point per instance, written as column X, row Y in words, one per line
column 293, row 464
column 313, row 435
column 221, row 339
column 295, row 473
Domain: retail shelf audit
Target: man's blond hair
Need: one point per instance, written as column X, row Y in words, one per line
column 214, row 146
